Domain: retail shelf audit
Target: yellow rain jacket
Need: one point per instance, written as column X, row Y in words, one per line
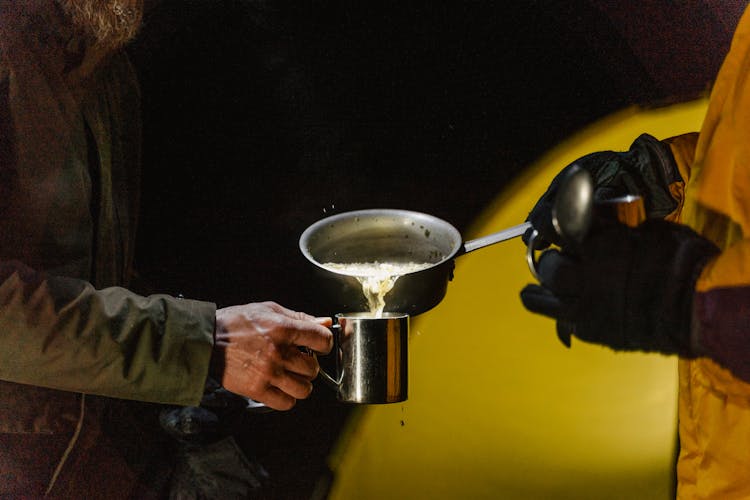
column 714, row 401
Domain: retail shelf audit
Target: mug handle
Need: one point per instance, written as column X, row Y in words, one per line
column 331, row 381
column 335, row 384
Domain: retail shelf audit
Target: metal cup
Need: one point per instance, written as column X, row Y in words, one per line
column 371, row 358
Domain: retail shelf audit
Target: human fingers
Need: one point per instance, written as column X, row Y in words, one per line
column 290, row 313
column 540, row 300
column 303, row 329
column 559, row 273
column 275, row 398
column 301, row 363
column 311, row 334
column 264, row 376
column 293, row 385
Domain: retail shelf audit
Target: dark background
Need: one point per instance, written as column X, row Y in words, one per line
column 261, row 117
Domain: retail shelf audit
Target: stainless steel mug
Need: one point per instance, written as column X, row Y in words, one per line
column 372, row 358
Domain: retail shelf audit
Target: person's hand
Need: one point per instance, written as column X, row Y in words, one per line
column 629, row 289
column 647, row 169
column 257, row 353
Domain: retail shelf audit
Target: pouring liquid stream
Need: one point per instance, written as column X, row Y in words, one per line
column 376, row 278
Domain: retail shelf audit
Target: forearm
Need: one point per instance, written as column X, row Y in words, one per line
column 721, row 311
column 64, row 334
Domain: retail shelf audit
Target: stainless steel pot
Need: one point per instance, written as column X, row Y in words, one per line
column 393, row 235
column 384, row 235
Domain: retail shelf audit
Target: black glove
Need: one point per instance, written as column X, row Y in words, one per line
column 630, row 288
column 647, row 169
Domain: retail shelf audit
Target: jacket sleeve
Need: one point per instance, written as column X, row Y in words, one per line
column 57, row 332
column 721, row 310
column 61, row 333
column 721, row 303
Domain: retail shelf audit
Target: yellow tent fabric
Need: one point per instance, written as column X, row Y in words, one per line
column 498, row 408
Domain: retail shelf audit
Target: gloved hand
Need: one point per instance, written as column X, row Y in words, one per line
column 629, row 288
column 647, row 169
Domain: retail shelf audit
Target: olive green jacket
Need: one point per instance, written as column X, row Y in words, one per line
column 69, row 157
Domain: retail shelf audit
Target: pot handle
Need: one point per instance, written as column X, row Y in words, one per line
column 491, row 239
